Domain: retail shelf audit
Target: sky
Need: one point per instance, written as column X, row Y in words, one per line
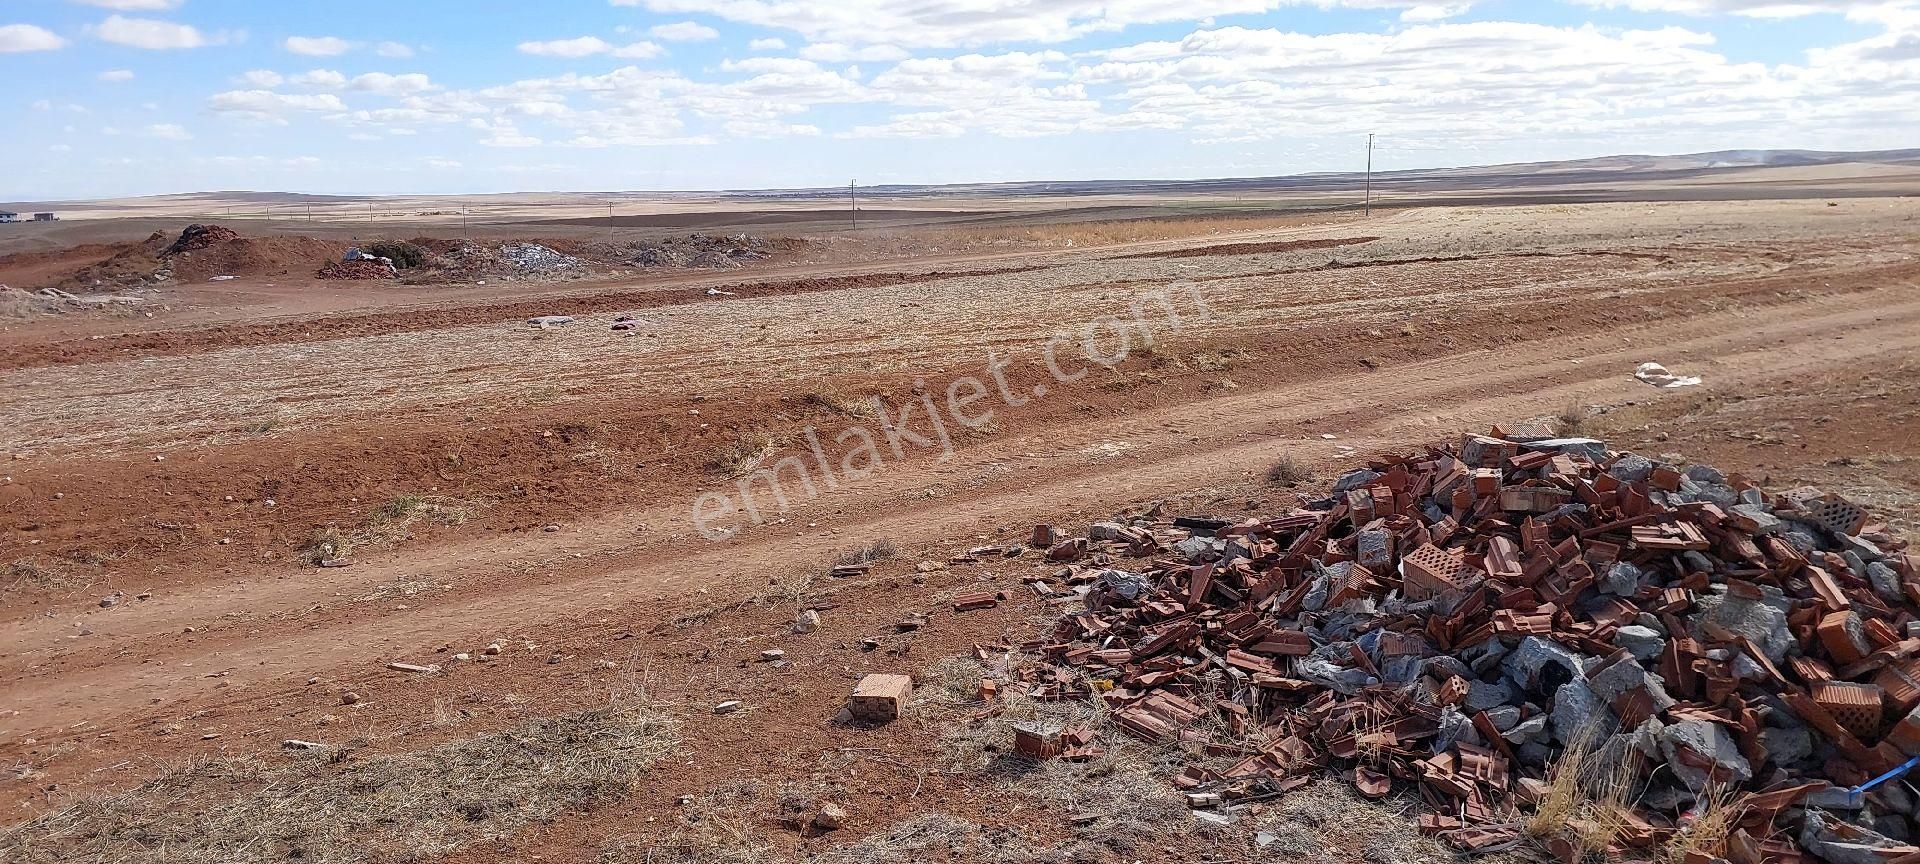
column 109, row 98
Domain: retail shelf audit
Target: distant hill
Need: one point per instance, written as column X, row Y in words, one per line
column 1603, row 169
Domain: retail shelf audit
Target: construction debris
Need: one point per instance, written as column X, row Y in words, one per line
column 703, row 251
column 536, row 258
column 1658, row 376
column 1461, row 621
column 879, row 698
column 359, row 268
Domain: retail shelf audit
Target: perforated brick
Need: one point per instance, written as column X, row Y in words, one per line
column 1836, row 513
column 1431, row 571
column 1855, row 706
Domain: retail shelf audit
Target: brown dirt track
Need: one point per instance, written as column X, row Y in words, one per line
column 1805, row 324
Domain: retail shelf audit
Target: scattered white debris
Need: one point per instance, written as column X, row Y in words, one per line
column 550, row 321
column 222, row 278
column 715, row 292
column 1658, row 376
column 409, row 667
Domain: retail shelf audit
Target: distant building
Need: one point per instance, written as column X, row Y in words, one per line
column 43, row 217
column 9, row 216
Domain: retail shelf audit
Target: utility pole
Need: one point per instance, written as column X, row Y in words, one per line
column 609, row 222
column 463, row 223
column 853, row 205
column 1369, row 204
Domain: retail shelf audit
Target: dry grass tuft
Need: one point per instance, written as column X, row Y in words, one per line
column 1591, row 790
column 342, row 810
column 1288, row 471
column 741, row 455
column 24, row 574
column 927, row 837
column 1571, row 422
column 879, row 550
column 386, row 525
column 1715, row 818
column 1329, row 823
column 840, row 403
column 713, row 828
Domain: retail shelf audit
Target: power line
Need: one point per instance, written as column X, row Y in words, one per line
column 1369, row 204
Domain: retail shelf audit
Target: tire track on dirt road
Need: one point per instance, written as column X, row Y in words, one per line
column 134, row 657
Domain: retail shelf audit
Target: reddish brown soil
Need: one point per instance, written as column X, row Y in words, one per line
column 1252, row 248
column 1806, row 366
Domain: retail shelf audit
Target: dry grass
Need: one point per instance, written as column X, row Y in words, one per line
column 928, row 837
column 24, row 574
column 742, row 454
column 1715, row 817
column 1571, row 422
column 879, row 550
column 338, row 809
column 840, row 403
column 1329, row 823
column 1590, row 793
column 386, row 525
column 714, row 828
column 1288, row 471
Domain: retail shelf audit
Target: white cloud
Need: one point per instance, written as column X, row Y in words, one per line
column 683, row 31
column 1434, row 12
column 169, row 132
column 443, row 164
column 152, row 35
column 116, row 76
column 772, row 43
column 502, row 134
column 835, row 52
column 585, row 46
column 392, row 85
column 43, row 105
column 935, row 24
column 261, row 79
column 317, row 46
column 395, row 50
column 638, row 51
column 60, row 148
column 1749, row 8
column 268, row 105
column 134, row 5
column 18, row 38
column 319, row 79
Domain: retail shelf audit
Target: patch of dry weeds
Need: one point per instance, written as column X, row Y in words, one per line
column 333, row 808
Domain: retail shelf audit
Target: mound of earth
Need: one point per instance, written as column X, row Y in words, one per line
column 361, row 269
column 215, row 251
column 199, row 253
column 197, row 237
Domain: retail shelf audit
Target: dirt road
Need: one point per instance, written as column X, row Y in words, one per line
column 1319, row 354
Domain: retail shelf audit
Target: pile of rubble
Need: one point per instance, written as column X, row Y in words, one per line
column 197, row 237
column 703, row 251
column 360, row 268
column 535, row 258
column 1458, row 620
